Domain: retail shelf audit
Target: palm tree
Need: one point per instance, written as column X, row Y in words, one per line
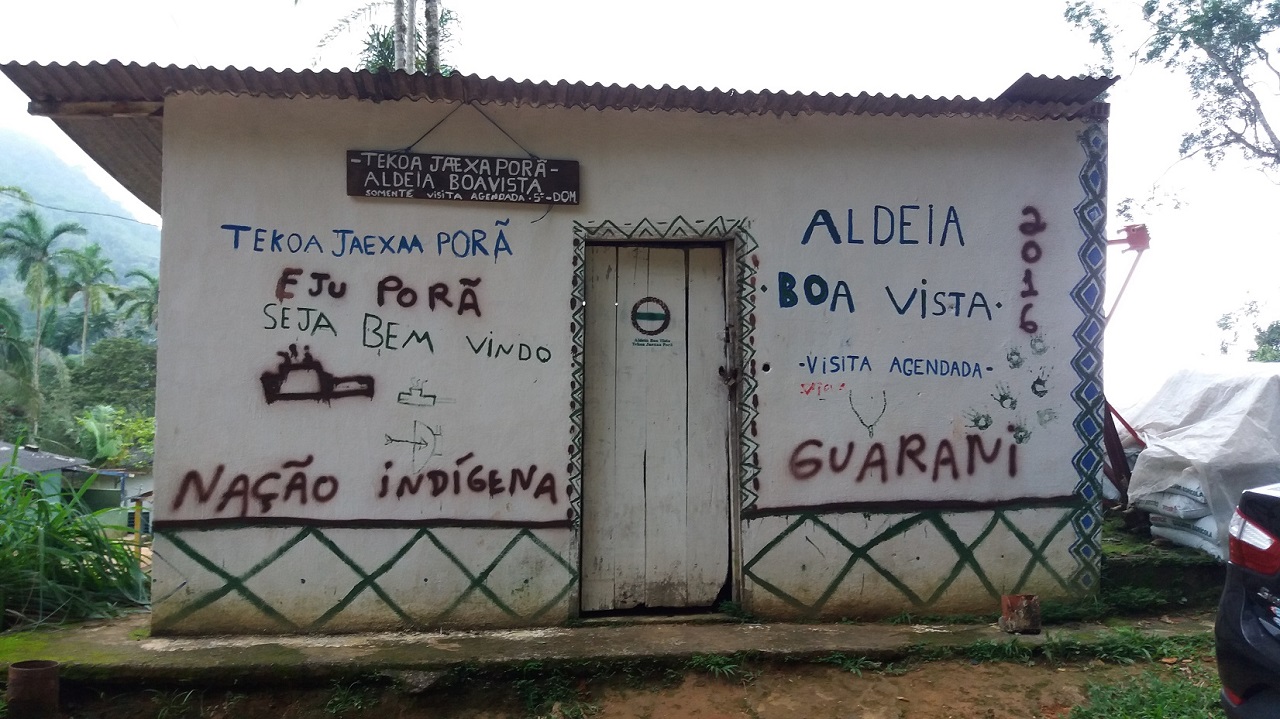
column 412, row 41
column 14, row 191
column 27, row 240
column 89, row 275
column 15, row 355
column 141, row 299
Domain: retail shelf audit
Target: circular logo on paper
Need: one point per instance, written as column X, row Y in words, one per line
column 650, row 316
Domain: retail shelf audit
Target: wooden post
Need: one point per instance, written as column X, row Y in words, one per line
column 137, row 527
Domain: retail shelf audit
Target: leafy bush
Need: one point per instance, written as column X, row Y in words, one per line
column 118, row 371
column 57, row 561
column 112, row 438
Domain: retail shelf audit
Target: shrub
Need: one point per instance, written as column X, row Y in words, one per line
column 57, row 562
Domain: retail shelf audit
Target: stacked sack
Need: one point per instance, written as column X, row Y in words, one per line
column 1181, row 515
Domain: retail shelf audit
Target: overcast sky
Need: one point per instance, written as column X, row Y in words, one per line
column 1206, row 256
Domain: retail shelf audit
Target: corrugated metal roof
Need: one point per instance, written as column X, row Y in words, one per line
column 1065, row 90
column 33, row 460
column 128, row 144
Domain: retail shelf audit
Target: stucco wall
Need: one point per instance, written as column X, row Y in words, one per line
column 960, row 483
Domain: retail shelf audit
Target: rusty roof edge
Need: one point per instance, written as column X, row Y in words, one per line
column 1069, row 90
column 1046, row 98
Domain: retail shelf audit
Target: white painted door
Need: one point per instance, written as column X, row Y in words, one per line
column 656, row 482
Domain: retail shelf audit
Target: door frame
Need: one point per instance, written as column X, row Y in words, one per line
column 738, row 247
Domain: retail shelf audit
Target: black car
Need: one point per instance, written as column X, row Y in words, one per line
column 1248, row 626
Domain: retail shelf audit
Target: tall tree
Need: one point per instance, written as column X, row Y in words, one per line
column 28, row 241
column 1221, row 46
column 14, row 352
column 141, row 300
column 16, row 396
column 1268, row 349
column 404, row 38
column 432, row 24
column 411, row 42
column 88, row 274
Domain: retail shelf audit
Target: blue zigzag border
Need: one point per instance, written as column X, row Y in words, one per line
column 1088, row 294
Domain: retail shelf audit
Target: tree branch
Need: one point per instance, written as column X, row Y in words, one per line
column 1255, row 105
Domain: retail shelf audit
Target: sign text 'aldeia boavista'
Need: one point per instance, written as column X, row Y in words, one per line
column 379, row 173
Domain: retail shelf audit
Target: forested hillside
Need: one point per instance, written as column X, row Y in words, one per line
column 79, row 294
column 26, row 163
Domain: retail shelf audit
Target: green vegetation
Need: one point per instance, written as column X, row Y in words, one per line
column 1191, row 694
column 565, row 688
column 31, row 171
column 550, row 691
column 119, row 371
column 1267, row 342
column 353, row 697
column 413, row 44
column 192, row 704
column 176, row 704
column 722, row 666
column 57, row 561
column 853, row 665
column 1223, row 48
column 77, row 352
column 1116, row 646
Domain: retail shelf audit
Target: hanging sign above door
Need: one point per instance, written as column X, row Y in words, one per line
column 379, row 173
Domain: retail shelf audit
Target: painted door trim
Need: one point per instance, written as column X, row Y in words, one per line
column 740, row 288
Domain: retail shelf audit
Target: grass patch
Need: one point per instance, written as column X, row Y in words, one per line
column 723, row 666
column 176, row 704
column 983, row 650
column 1125, row 646
column 1190, row 693
column 853, row 665
column 553, row 691
column 353, row 697
column 191, row 704
column 1117, row 646
column 58, row 561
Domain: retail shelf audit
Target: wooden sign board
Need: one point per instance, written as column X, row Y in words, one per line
column 380, row 173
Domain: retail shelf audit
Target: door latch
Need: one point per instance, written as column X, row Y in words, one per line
column 729, row 377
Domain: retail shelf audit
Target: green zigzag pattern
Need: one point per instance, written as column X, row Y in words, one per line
column 233, row 584
column 934, row 519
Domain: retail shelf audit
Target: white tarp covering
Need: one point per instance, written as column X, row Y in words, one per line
column 1215, row 430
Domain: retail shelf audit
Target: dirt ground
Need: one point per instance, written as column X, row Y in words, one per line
column 933, row 690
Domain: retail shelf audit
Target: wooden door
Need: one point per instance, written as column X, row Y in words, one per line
column 656, row 478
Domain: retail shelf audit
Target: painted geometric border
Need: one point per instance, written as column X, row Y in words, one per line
column 1088, row 294
column 185, row 544
column 938, row 527
column 746, row 263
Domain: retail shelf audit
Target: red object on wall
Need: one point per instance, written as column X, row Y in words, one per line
column 1135, row 236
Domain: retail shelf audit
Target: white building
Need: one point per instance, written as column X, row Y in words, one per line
column 468, row 352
